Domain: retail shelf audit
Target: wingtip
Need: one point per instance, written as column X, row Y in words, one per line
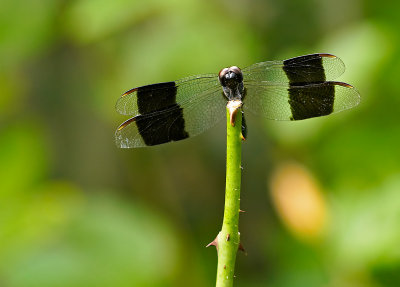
column 129, row 92
column 327, row 55
column 354, row 92
column 125, row 123
column 344, row 85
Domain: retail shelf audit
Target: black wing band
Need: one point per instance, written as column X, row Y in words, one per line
column 306, row 69
column 161, row 118
column 310, row 101
column 156, row 97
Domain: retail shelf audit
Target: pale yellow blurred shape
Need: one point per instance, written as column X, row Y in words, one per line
column 299, row 201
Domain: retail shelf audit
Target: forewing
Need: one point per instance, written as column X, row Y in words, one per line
column 191, row 117
column 151, row 98
column 284, row 102
column 306, row 69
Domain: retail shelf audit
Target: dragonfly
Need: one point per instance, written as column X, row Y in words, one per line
column 294, row 89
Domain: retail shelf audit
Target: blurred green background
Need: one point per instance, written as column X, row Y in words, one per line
column 322, row 196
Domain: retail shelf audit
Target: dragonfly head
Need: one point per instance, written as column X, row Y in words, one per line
column 230, row 77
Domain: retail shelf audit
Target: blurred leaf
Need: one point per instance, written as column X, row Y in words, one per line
column 12, row 87
column 27, row 28
column 35, row 215
column 366, row 225
column 23, row 157
column 106, row 243
column 387, row 273
column 90, row 20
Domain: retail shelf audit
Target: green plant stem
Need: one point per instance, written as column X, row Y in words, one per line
column 229, row 237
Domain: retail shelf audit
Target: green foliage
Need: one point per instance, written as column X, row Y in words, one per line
column 76, row 211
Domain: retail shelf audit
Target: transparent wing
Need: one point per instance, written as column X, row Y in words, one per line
column 302, row 69
column 184, row 90
column 195, row 114
column 284, row 102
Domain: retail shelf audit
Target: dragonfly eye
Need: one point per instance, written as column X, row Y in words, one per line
column 235, row 69
column 229, row 76
column 222, row 75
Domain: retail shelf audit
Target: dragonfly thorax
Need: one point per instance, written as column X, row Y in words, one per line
column 231, row 80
